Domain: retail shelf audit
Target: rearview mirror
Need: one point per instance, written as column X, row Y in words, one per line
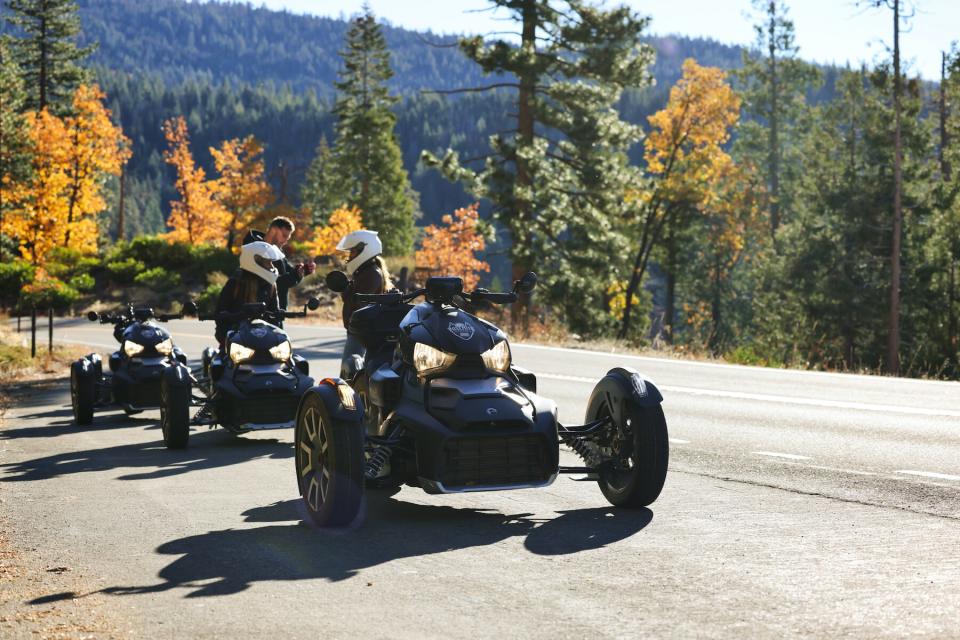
column 93, row 316
column 337, row 281
column 189, row 308
column 527, row 283
column 313, row 304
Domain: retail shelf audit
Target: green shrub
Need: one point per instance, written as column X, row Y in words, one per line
column 49, row 293
column 124, row 271
column 13, row 275
column 207, row 300
column 82, row 282
column 158, row 279
column 208, row 259
column 192, row 262
column 64, row 263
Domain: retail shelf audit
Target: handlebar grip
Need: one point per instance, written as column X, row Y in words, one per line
column 496, row 298
column 294, row 314
column 380, row 298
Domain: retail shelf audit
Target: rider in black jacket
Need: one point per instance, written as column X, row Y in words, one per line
column 253, row 282
column 289, row 275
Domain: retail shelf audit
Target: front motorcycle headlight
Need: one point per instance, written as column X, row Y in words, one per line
column 240, row 353
column 426, row 359
column 282, row 352
column 132, row 348
column 497, row 358
column 165, row 347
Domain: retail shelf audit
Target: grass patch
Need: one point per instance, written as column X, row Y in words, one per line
column 17, row 365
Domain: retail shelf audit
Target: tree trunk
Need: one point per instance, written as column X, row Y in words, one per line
column 43, row 62
column 525, row 130
column 893, row 338
column 945, row 171
column 774, row 140
column 120, row 206
column 670, row 310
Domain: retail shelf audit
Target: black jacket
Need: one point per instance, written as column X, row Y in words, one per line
column 289, row 276
column 230, row 299
column 368, row 278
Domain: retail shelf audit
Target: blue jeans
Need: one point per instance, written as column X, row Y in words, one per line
column 353, row 353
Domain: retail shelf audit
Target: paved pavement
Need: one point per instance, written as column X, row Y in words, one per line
column 797, row 504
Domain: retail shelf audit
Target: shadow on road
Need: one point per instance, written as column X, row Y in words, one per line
column 208, row 450
column 210, row 565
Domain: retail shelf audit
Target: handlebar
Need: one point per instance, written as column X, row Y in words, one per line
column 395, row 297
column 133, row 315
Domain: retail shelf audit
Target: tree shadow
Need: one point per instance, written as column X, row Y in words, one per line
column 208, row 450
column 208, row 564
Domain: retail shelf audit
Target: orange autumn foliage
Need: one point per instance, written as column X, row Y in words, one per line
column 242, row 188
column 451, row 249
column 71, row 157
column 684, row 148
column 197, row 217
column 342, row 221
column 97, row 148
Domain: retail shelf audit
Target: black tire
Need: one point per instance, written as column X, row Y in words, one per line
column 330, row 464
column 637, row 483
column 175, row 414
column 83, row 392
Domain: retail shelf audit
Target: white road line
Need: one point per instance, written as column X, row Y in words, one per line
column 762, row 397
column 930, row 474
column 678, row 441
column 736, row 367
column 788, row 456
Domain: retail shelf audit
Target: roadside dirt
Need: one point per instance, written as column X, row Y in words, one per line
column 41, row 596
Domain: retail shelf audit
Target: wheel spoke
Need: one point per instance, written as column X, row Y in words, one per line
column 306, row 459
column 313, row 494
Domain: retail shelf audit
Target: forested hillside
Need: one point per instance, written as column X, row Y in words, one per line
column 232, row 69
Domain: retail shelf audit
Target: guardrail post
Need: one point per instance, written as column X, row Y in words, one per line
column 50, row 330
column 33, row 332
column 19, row 313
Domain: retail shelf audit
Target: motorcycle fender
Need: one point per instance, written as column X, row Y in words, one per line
column 329, row 393
column 96, row 364
column 622, row 384
column 177, row 376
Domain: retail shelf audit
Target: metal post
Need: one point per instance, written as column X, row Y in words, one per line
column 19, row 313
column 50, row 330
column 33, row 332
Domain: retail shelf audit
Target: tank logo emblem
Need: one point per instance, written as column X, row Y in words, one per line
column 461, row 329
column 491, row 411
column 259, row 332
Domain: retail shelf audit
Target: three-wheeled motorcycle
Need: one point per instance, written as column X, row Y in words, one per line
column 136, row 368
column 438, row 403
column 254, row 384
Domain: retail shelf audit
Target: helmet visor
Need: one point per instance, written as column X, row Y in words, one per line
column 266, row 263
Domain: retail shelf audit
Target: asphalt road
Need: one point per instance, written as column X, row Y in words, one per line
column 797, row 504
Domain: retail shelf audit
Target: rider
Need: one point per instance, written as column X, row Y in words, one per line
column 254, row 281
column 289, row 275
column 368, row 274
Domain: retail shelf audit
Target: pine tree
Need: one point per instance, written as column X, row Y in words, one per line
column 321, row 192
column 775, row 82
column 562, row 200
column 14, row 140
column 47, row 53
column 367, row 161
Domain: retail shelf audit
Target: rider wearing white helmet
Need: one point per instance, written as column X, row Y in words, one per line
column 254, row 281
column 368, row 274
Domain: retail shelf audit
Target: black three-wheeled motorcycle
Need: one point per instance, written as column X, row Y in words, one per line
column 254, row 385
column 133, row 382
column 439, row 404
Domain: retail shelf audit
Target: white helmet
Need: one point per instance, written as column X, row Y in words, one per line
column 258, row 258
column 367, row 241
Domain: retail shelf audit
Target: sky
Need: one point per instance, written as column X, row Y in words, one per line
column 830, row 31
